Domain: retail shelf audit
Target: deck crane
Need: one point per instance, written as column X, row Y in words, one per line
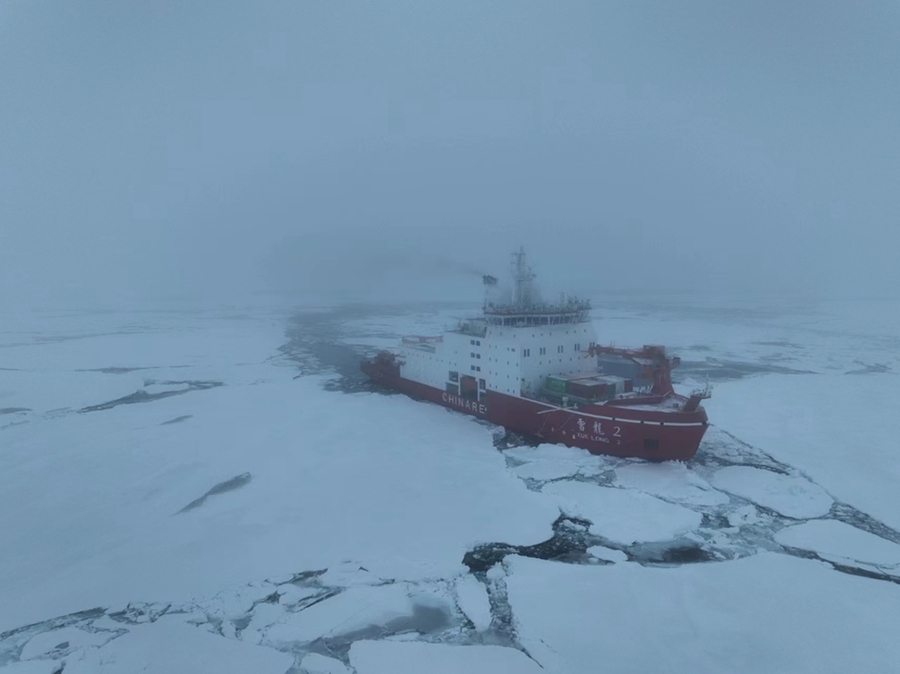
column 656, row 366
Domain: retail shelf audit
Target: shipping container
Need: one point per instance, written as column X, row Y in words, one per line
column 587, row 388
column 556, row 384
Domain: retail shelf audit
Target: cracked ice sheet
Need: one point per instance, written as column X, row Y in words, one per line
column 551, row 462
column 472, row 599
column 794, row 418
column 352, row 610
column 169, row 646
column 33, row 667
column 671, row 481
column 840, row 542
column 623, row 516
column 790, row 495
column 767, row 613
column 88, row 501
column 393, row 657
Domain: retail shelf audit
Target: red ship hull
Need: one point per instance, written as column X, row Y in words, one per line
column 619, row 429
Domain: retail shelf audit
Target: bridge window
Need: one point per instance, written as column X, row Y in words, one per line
column 526, row 352
column 578, row 347
column 543, row 350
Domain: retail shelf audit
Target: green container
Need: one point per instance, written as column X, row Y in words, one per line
column 554, row 384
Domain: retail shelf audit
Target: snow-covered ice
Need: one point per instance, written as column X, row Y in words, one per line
column 790, row 495
column 766, row 613
column 167, row 646
column 608, row 554
column 839, row 429
column 473, row 600
column 623, row 516
column 33, row 667
column 174, row 469
column 672, row 481
column 89, row 502
column 389, row 657
column 314, row 663
column 838, row 541
column 66, row 639
column 350, row 611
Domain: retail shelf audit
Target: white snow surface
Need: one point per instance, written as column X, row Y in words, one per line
column 393, row 657
column 169, row 646
column 672, row 481
column 354, row 609
column 766, row 613
column 89, row 502
column 319, row 664
column 837, row 540
column 387, row 495
column 610, row 555
column 472, row 599
column 33, row 667
column 839, row 429
column 790, row 495
column 42, row 644
column 623, row 516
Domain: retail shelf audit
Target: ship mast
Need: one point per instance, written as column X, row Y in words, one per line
column 523, row 277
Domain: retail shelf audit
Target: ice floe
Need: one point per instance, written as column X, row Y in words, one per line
column 391, row 657
column 472, row 599
column 766, row 613
column 838, row 541
column 608, row 554
column 620, row 515
column 836, row 428
column 672, row 481
column 168, row 646
column 790, row 495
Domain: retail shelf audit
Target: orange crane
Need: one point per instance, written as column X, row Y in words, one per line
column 655, row 364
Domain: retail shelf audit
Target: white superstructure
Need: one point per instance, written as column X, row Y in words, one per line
column 511, row 349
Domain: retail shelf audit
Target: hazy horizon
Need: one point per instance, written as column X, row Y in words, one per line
column 222, row 150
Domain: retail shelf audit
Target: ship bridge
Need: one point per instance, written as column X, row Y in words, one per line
column 523, row 307
column 571, row 311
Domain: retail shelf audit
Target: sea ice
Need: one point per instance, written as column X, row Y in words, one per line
column 621, row 515
column 789, row 495
column 67, row 638
column 766, row 613
column 472, row 599
column 393, row 657
column 836, row 428
column 168, row 646
column 672, row 481
column 401, row 487
column 354, row 609
column 832, row 540
column 34, row 667
column 610, row 555
column 319, row 664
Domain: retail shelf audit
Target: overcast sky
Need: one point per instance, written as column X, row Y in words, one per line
column 210, row 149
